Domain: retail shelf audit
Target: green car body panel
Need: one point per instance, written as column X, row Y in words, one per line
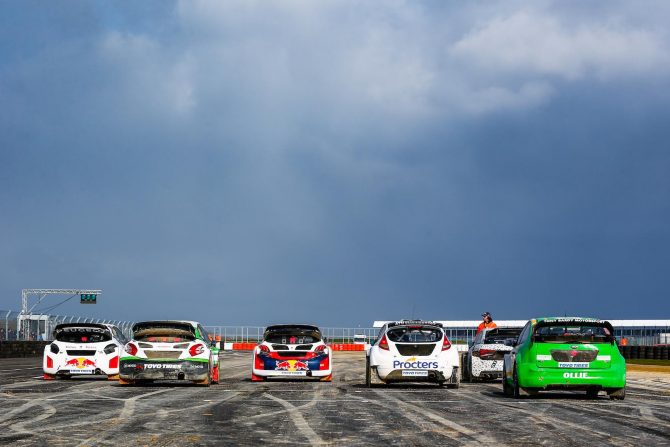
column 566, row 361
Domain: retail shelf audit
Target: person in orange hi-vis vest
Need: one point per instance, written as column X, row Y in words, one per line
column 487, row 323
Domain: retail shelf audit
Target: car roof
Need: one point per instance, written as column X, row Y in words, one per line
column 308, row 327
column 568, row 320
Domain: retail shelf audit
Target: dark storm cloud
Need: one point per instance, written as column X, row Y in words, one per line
column 337, row 162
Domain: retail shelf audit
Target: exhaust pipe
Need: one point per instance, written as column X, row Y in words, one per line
column 180, row 376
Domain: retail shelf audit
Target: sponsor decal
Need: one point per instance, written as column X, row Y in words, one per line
column 80, row 363
column 543, row 358
column 573, row 365
column 575, row 375
column 412, row 373
column 162, row 366
column 604, row 358
column 291, row 365
column 413, row 363
column 292, row 373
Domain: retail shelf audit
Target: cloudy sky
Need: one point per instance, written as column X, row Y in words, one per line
column 337, row 162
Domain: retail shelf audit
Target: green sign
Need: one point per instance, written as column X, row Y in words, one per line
column 88, row 298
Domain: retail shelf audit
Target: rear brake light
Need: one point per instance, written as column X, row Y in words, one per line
column 131, row 349
column 486, row 353
column 446, row 344
column 196, row 350
column 320, row 348
column 263, row 348
column 50, row 362
column 114, row 362
column 383, row 343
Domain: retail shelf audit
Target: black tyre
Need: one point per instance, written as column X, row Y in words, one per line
column 455, row 381
column 618, row 394
column 507, row 389
column 368, row 373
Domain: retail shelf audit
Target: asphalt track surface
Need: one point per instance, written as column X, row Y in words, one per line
column 88, row 412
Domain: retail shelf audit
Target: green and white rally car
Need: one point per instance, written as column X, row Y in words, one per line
column 565, row 353
column 169, row 350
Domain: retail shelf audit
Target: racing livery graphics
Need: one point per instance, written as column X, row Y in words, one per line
column 565, row 353
column 83, row 349
column 169, row 350
column 292, row 350
column 412, row 350
column 484, row 359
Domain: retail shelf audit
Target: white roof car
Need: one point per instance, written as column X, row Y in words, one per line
column 83, row 349
column 292, row 350
column 484, row 359
column 412, row 351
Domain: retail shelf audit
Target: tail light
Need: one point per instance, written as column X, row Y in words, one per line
column 196, row 350
column 383, row 343
column 109, row 348
column 486, row 353
column 131, row 349
column 320, row 348
column 54, row 348
column 114, row 362
column 263, row 348
column 446, row 344
column 50, row 362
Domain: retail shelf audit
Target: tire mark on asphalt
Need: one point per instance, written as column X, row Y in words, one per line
column 299, row 421
column 49, row 411
column 414, row 409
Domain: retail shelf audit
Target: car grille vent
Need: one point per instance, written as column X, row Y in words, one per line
column 303, row 348
column 570, row 355
column 80, row 352
column 163, row 354
column 280, row 347
column 415, row 349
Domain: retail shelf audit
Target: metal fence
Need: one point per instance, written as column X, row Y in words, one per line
column 41, row 326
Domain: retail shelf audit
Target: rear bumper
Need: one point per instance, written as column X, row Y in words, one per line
column 531, row 376
column 267, row 366
column 414, row 375
column 141, row 369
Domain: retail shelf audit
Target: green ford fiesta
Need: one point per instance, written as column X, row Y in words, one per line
column 565, row 353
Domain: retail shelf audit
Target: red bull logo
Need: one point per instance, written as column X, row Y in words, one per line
column 292, row 365
column 80, row 363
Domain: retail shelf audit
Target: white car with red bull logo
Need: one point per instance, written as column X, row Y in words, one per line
column 170, row 350
column 83, row 349
column 412, row 351
column 292, row 351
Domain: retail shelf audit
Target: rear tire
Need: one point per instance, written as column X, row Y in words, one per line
column 618, row 394
column 368, row 372
column 507, row 389
column 516, row 391
column 455, row 382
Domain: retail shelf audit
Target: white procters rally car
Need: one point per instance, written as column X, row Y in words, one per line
column 170, row 350
column 412, row 351
column 484, row 359
column 292, row 350
column 83, row 349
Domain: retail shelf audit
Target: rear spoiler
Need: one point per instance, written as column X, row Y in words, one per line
column 576, row 321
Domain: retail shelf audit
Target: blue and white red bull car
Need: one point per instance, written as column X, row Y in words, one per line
column 292, row 351
column 83, row 349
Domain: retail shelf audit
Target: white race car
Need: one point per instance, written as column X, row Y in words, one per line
column 412, row 351
column 484, row 359
column 292, row 350
column 83, row 349
column 170, row 350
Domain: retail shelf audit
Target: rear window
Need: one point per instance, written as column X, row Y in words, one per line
column 82, row 335
column 502, row 336
column 164, row 332
column 414, row 334
column 572, row 333
column 292, row 336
